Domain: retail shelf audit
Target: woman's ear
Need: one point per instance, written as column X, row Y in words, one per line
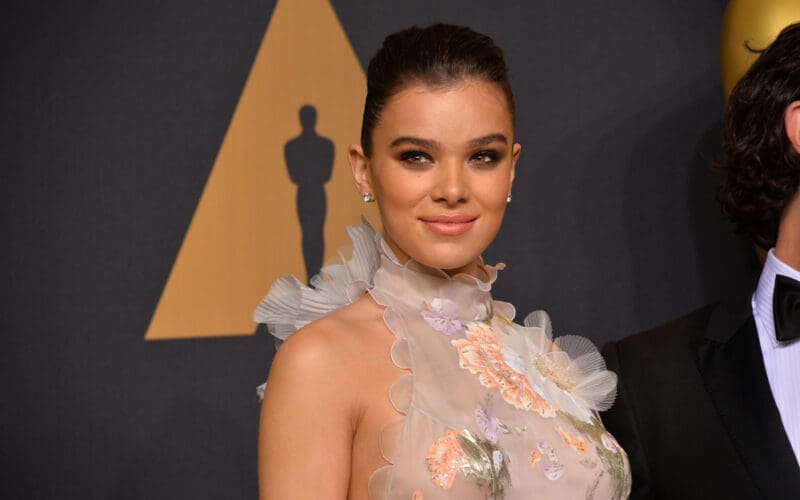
column 359, row 164
column 792, row 124
column 516, row 149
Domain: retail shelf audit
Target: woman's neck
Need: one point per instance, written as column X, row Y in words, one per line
column 474, row 268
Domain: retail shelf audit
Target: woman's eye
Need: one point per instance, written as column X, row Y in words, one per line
column 415, row 157
column 485, row 157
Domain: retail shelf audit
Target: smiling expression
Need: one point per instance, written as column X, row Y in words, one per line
column 441, row 168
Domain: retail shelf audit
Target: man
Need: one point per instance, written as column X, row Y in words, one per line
column 709, row 405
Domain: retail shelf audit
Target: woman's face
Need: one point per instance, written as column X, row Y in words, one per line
column 441, row 169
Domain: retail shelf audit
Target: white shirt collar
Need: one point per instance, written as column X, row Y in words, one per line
column 762, row 298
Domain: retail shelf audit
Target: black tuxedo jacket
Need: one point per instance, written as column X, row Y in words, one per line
column 695, row 412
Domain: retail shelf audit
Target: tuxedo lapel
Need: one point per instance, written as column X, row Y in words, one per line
column 729, row 360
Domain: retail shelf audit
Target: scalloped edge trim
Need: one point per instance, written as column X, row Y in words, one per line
column 381, row 479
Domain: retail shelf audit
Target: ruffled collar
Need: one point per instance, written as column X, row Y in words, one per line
column 368, row 265
column 411, row 265
column 426, row 288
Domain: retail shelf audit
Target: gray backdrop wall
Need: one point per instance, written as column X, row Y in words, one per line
column 112, row 116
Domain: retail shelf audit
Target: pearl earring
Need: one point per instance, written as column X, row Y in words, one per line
column 508, row 198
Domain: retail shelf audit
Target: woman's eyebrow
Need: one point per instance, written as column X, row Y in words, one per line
column 415, row 141
column 431, row 144
column 483, row 141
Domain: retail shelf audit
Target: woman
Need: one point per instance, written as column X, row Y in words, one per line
column 422, row 387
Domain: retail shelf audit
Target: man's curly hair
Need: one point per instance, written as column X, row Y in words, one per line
column 760, row 167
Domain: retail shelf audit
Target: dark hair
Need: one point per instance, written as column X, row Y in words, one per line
column 760, row 168
column 438, row 55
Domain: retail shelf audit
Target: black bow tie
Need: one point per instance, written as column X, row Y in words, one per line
column 786, row 308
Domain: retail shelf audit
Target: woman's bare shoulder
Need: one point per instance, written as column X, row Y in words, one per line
column 315, row 384
column 319, row 382
column 332, row 344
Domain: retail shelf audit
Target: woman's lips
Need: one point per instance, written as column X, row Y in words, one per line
column 449, row 225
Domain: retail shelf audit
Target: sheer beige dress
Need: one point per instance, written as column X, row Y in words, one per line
column 492, row 409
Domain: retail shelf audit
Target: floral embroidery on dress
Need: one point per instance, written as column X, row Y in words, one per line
column 490, row 425
column 547, row 450
column 577, row 444
column 609, row 443
column 535, row 457
column 486, row 424
column 481, row 354
column 569, row 373
column 442, row 315
column 476, row 458
column 611, row 457
column 485, row 464
column 552, row 468
column 444, row 459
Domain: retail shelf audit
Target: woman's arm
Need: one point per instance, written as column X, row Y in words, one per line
column 307, row 425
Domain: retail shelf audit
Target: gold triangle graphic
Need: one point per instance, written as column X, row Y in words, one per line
column 245, row 231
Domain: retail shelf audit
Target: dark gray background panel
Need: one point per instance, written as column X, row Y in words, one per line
column 112, row 116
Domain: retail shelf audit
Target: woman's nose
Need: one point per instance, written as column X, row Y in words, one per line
column 451, row 185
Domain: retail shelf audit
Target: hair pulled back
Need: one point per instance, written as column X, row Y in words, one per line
column 760, row 168
column 439, row 56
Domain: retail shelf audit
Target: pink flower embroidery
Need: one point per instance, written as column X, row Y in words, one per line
column 444, row 459
column 577, row 444
column 553, row 470
column 488, row 425
column 546, row 449
column 482, row 354
column 442, row 315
